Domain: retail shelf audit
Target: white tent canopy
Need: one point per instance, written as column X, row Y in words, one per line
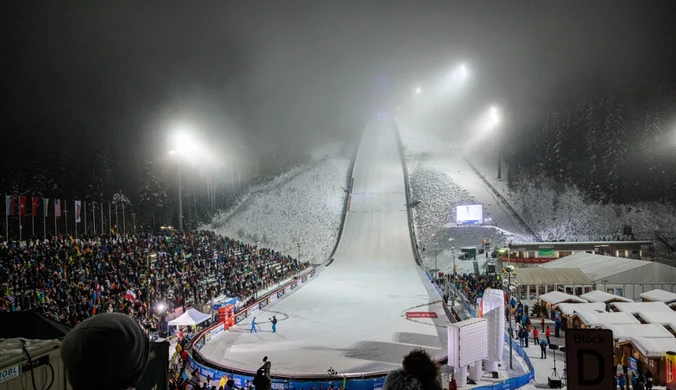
column 190, row 317
column 651, row 331
column 618, row 318
column 556, row 297
column 569, row 309
column 659, row 295
column 655, row 347
column 636, row 307
column 657, row 317
column 602, row 296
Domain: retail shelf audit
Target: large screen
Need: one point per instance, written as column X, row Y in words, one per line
column 469, row 214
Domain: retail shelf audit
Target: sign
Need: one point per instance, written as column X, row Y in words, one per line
column 633, row 365
column 303, row 279
column 240, row 317
column 10, row 373
column 207, row 337
column 421, row 314
column 263, row 303
column 280, row 293
column 589, row 356
column 294, row 285
column 670, row 370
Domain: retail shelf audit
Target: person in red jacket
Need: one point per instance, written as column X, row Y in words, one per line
column 542, row 322
column 548, row 333
column 184, row 357
column 536, row 336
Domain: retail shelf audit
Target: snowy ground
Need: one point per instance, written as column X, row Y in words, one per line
column 352, row 317
column 304, row 205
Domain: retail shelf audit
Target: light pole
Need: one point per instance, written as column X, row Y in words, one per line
column 298, row 267
column 180, row 191
column 509, row 270
column 454, row 292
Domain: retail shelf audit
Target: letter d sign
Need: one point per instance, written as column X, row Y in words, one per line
column 589, row 356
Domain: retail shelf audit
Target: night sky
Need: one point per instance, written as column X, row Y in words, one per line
column 301, row 72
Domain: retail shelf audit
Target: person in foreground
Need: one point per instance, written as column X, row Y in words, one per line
column 107, row 352
column 419, row 372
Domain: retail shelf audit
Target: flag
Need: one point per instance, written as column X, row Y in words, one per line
column 22, row 206
column 77, row 210
column 57, row 207
column 130, row 296
column 45, row 206
column 34, row 206
column 10, row 207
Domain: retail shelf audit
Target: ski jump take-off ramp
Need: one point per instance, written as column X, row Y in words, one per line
column 352, row 318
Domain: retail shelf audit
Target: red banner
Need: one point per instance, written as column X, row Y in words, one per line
column 421, row 314
column 22, row 205
column 34, row 204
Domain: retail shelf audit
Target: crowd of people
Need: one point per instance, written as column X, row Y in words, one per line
column 68, row 279
column 472, row 286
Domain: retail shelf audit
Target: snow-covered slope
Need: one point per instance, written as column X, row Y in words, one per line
column 302, row 206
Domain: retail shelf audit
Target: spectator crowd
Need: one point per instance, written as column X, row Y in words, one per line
column 69, row 280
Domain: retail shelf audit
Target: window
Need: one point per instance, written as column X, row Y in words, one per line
column 569, row 290
column 610, row 291
column 619, row 292
column 578, row 291
column 559, row 288
column 587, row 289
column 565, row 253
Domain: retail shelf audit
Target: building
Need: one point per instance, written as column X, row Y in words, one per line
column 534, row 283
column 541, row 252
column 618, row 276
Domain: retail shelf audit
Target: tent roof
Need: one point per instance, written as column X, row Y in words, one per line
column 653, row 347
column 572, row 308
column 659, row 295
column 597, row 267
column 190, row 317
column 652, row 331
column 556, row 297
column 658, row 317
column 602, row 296
column 616, row 318
column 544, row 276
column 635, row 307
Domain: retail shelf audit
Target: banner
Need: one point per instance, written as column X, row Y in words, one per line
column 263, row 303
column 156, row 375
column 671, row 370
column 45, row 207
column 10, row 204
column 78, row 206
column 421, row 314
column 22, row 205
column 546, row 252
column 34, row 206
column 57, row 207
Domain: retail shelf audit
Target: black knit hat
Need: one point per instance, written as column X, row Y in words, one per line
column 108, row 352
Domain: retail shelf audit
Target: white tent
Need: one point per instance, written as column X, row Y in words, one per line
column 556, row 297
column 636, row 307
column 658, row 295
column 602, row 296
column 596, row 319
column 569, row 309
column 651, row 331
column 190, row 317
column 657, row 317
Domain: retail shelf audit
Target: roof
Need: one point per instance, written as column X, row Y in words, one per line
column 581, row 243
column 597, row 267
column 652, row 347
column 30, row 325
column 636, row 307
column 652, row 331
column 659, row 295
column 560, row 276
column 657, row 317
column 572, row 308
column 602, row 296
column 618, row 318
column 556, row 297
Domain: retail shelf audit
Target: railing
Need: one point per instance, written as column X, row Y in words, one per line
column 503, row 200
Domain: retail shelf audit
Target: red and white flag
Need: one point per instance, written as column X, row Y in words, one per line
column 78, row 207
column 22, row 205
column 130, row 296
column 57, row 207
column 34, row 206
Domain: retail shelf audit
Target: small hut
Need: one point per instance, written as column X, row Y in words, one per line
column 568, row 311
column 636, row 307
column 594, row 320
column 650, row 353
column 658, row 295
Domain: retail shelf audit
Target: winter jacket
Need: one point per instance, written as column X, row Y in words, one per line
column 400, row 380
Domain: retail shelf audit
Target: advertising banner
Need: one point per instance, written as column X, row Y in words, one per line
column 671, row 370
column 240, row 317
column 312, row 274
column 263, row 303
column 303, row 279
column 294, row 285
column 280, row 293
column 421, row 314
column 216, row 330
column 273, row 297
column 207, row 337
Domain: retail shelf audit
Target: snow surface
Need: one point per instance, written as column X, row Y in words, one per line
column 352, row 317
column 304, row 205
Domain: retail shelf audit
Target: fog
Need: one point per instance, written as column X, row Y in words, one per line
column 246, row 75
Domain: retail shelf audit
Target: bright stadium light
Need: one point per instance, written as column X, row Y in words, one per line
column 494, row 117
column 418, row 90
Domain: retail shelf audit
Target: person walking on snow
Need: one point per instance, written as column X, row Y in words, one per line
column 253, row 326
column 274, row 324
column 536, row 336
column 542, row 322
column 543, row 349
column 548, row 333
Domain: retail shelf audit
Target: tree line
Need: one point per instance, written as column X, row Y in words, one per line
column 616, row 144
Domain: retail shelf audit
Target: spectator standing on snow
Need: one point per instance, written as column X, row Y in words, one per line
column 548, row 332
column 543, row 349
column 526, row 335
column 536, row 338
column 557, row 327
column 253, row 326
column 648, row 380
column 274, row 324
column 542, row 323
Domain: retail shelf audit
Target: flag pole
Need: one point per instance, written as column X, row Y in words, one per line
column 32, row 217
column 110, row 218
column 65, row 211
column 20, row 221
column 94, row 216
column 124, row 224
column 117, row 224
column 75, row 215
column 102, row 206
column 7, row 202
column 56, row 227
column 85, row 217
column 44, row 217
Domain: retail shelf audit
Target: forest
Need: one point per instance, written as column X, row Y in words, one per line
column 615, row 144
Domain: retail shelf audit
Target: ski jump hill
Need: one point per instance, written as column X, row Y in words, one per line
column 353, row 317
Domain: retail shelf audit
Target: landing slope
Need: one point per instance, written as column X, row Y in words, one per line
column 352, row 318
